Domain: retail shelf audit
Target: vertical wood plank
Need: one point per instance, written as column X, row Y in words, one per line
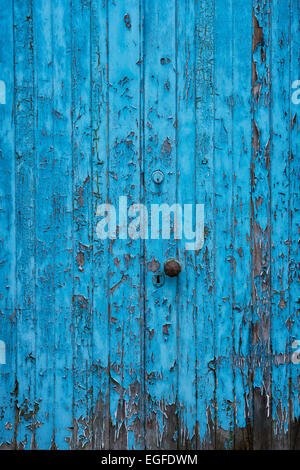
column 205, row 259
column 82, row 220
column 294, row 223
column 142, row 199
column 100, row 123
column 126, row 305
column 63, row 225
column 161, row 303
column 7, row 229
column 43, row 66
column 25, row 225
column 7, row 264
column 261, row 230
column 186, row 180
column 279, row 170
column 224, row 321
column 241, row 230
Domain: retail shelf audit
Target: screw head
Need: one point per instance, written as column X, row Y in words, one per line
column 158, row 176
column 172, row 267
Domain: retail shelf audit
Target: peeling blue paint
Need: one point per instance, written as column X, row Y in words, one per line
column 95, row 97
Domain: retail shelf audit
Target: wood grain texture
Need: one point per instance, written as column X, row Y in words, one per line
column 63, row 216
column 82, row 224
column 223, row 213
column 99, row 94
column 161, row 314
column 279, row 169
column 205, row 260
column 261, row 225
column 44, row 229
column 100, row 249
column 294, row 384
column 241, row 227
column 7, row 232
column 125, row 285
column 186, row 194
column 25, row 209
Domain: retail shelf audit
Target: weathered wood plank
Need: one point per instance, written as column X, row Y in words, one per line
column 186, row 188
column 44, row 229
column 279, row 180
column 205, row 193
column 7, row 234
column 161, row 306
column 82, row 224
column 25, row 225
column 241, row 230
column 223, row 181
column 7, row 229
column 126, row 304
column 63, row 225
column 185, row 157
column 294, row 224
column 100, row 175
column 261, row 229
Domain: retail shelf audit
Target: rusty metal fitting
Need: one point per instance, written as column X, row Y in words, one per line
column 172, row 267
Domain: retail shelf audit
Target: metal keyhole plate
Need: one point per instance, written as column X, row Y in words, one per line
column 158, row 176
column 158, row 279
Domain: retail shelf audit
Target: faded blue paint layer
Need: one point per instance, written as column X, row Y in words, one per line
column 94, row 97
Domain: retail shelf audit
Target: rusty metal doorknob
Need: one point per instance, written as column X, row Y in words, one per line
column 172, row 267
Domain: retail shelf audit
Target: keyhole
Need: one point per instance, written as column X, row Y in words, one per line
column 158, row 279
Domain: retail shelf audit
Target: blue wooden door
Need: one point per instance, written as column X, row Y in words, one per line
column 100, row 349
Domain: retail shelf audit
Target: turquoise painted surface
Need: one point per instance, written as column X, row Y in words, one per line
column 99, row 94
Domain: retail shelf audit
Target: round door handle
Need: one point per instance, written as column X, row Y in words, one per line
column 172, row 267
